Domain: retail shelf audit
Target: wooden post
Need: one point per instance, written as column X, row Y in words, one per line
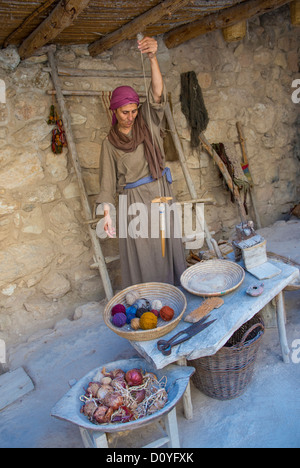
column 189, row 181
column 83, row 195
column 280, row 310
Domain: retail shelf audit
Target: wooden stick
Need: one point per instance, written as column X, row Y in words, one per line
column 77, row 72
column 189, row 181
column 245, row 158
column 162, row 220
column 100, row 260
column 67, row 92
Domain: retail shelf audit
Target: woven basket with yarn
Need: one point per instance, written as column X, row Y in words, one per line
column 169, row 295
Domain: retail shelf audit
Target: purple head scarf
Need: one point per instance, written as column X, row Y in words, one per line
column 123, row 96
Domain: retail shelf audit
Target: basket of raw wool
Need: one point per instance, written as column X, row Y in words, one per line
column 145, row 311
column 226, row 374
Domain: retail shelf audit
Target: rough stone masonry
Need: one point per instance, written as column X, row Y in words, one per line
column 45, row 253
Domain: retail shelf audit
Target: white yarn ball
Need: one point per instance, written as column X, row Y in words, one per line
column 156, row 305
column 131, row 297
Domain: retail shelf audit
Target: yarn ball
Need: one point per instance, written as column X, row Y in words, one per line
column 166, row 313
column 118, row 309
column 155, row 312
column 143, row 303
column 135, row 323
column 131, row 297
column 130, row 313
column 119, row 320
column 156, row 304
column 141, row 311
column 148, row 321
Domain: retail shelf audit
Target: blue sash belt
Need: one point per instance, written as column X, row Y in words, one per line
column 148, row 179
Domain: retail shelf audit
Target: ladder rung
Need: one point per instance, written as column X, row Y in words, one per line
column 95, row 266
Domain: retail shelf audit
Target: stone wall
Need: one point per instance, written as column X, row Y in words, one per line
column 45, row 251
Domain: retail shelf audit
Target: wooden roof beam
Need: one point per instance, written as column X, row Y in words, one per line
column 63, row 15
column 139, row 24
column 220, row 20
column 27, row 21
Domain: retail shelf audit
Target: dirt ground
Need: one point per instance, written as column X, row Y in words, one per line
column 266, row 415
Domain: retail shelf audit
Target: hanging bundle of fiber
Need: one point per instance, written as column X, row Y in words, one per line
column 234, row 169
column 59, row 140
column 192, row 106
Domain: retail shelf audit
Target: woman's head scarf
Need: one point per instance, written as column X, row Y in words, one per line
column 121, row 97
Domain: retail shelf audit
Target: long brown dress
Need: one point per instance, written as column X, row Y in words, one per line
column 141, row 257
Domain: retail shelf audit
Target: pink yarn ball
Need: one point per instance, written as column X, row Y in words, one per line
column 118, row 309
column 119, row 319
column 155, row 312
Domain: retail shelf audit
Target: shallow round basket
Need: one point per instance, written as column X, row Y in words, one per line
column 169, row 296
column 213, row 278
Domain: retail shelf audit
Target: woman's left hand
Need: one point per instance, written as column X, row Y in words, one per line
column 148, row 45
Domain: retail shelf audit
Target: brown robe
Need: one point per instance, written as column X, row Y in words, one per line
column 141, row 258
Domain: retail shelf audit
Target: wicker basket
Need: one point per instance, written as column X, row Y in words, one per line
column 166, row 293
column 236, row 32
column 213, row 278
column 295, row 12
column 226, row 374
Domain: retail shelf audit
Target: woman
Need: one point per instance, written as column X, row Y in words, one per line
column 132, row 164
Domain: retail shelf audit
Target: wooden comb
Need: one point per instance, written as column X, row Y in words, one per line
column 207, row 306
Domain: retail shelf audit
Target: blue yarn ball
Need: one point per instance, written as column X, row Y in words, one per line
column 130, row 313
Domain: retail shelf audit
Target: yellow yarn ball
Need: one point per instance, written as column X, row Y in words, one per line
column 148, row 321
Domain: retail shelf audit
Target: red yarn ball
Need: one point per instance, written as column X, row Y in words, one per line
column 119, row 320
column 166, row 313
column 155, row 312
column 118, row 309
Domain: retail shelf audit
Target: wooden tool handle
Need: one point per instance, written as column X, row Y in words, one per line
column 242, row 142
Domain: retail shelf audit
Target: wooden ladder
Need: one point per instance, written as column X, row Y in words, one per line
column 99, row 257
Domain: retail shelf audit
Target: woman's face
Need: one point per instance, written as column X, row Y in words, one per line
column 126, row 116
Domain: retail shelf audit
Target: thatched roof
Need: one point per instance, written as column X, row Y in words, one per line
column 102, row 24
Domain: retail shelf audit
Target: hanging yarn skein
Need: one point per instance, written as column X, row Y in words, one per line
column 193, row 106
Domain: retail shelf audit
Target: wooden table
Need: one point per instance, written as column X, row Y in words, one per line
column 238, row 308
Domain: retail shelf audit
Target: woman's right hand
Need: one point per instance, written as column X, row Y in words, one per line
column 108, row 225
